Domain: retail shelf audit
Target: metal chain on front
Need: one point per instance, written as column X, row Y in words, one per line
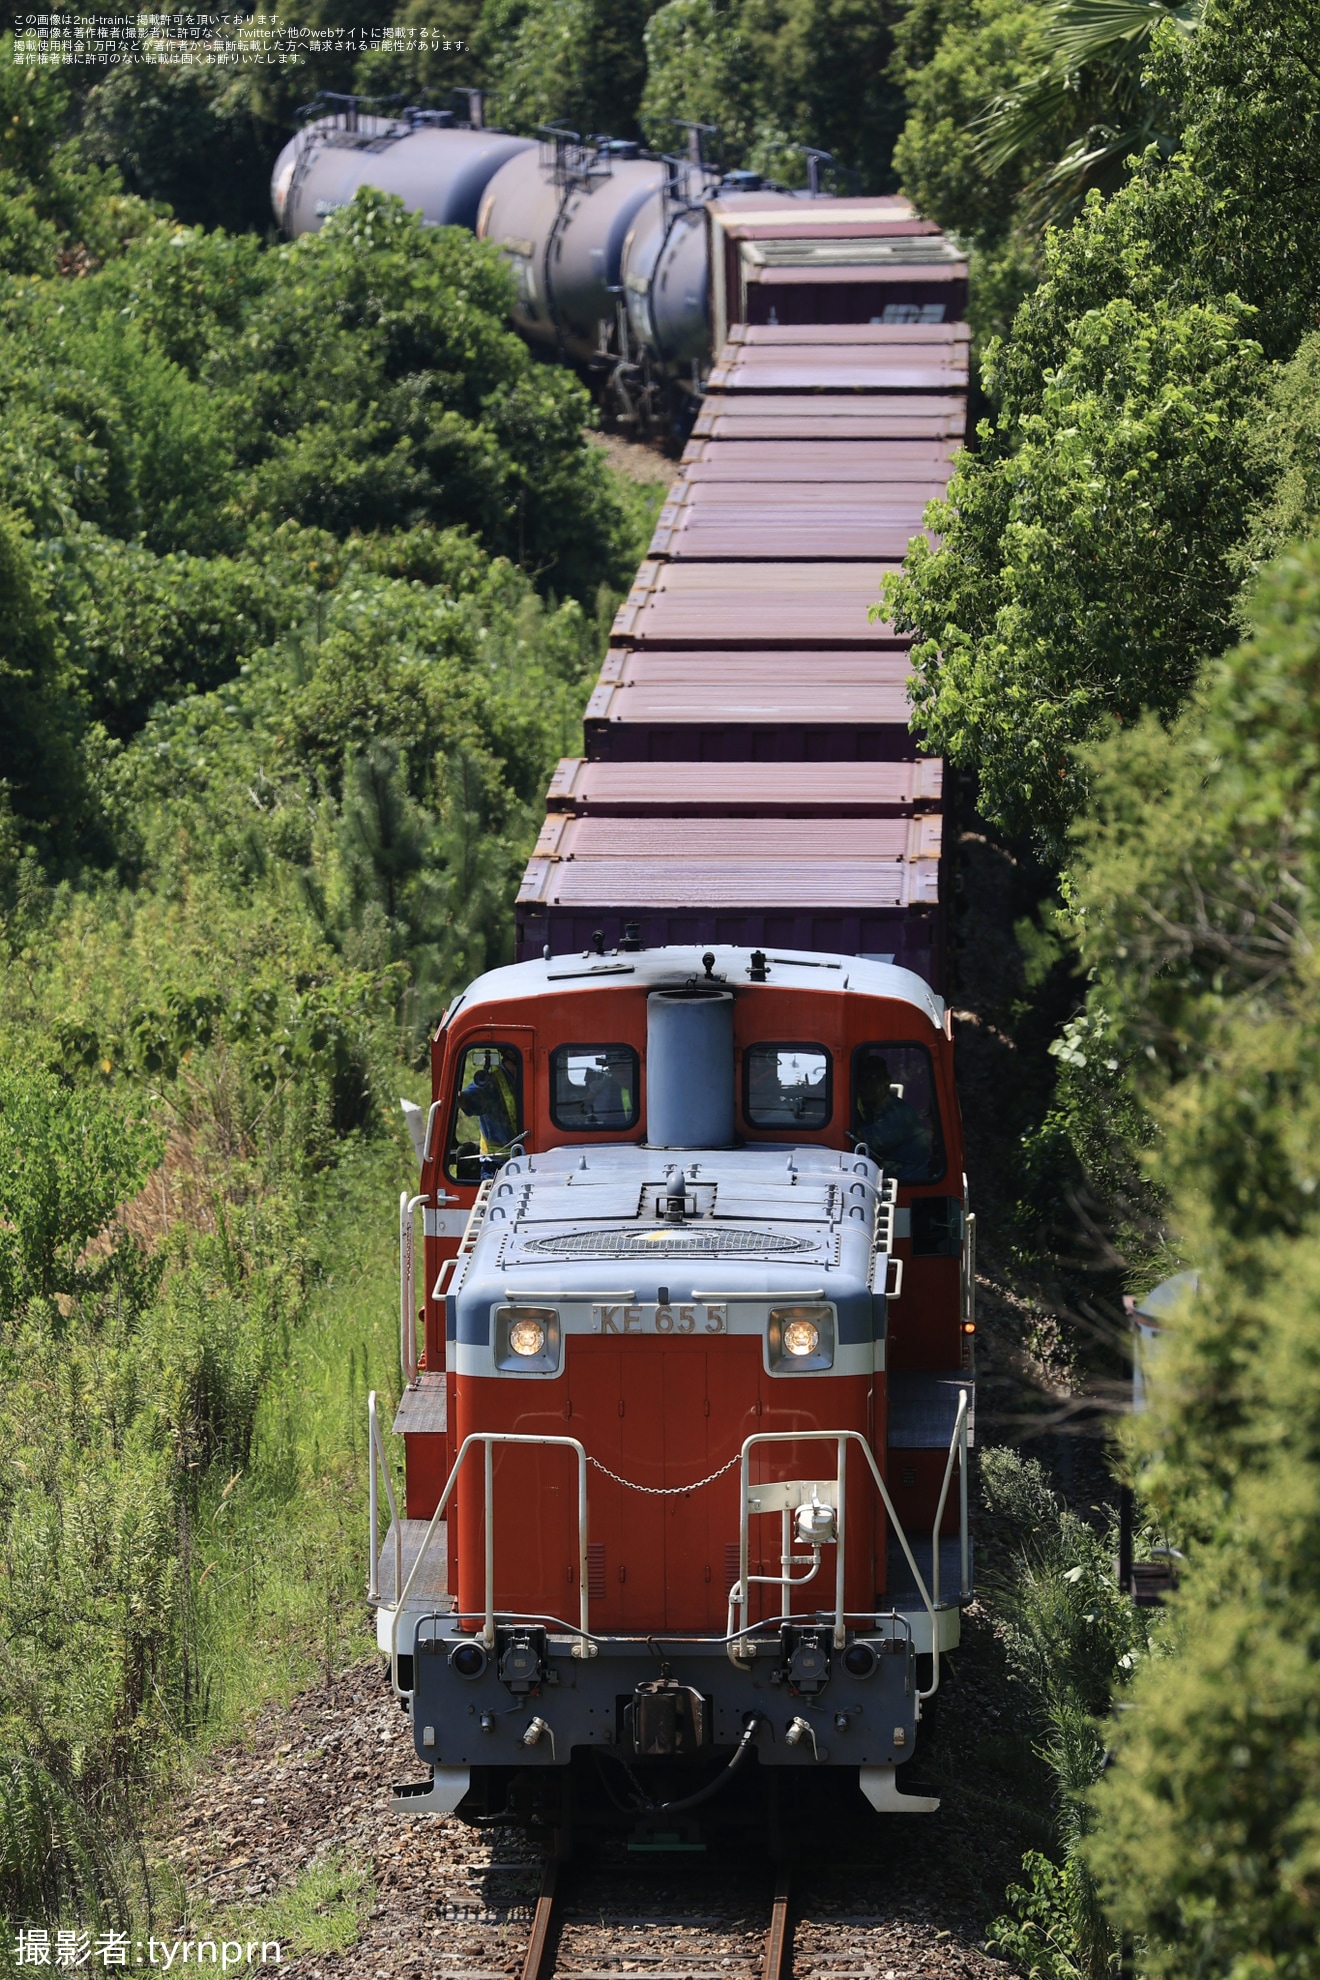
column 666, row 1491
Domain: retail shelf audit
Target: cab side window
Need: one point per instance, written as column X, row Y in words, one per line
column 894, row 1111
column 786, row 1086
column 487, row 1114
column 594, row 1086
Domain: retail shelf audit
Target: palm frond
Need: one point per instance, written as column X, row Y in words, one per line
column 1011, row 124
column 1079, row 31
column 1096, row 50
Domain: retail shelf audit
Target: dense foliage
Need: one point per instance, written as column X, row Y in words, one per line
column 304, row 568
column 1091, row 551
column 1147, row 491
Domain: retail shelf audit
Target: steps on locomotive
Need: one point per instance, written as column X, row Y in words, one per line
column 422, row 1413
column 431, row 1589
column 902, row 1593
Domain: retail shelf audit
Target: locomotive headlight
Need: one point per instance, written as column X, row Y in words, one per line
column 800, row 1339
column 527, row 1337
column 527, row 1340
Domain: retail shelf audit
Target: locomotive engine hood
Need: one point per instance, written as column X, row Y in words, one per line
column 633, row 1240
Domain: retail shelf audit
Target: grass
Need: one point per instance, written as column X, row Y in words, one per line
column 322, row 1911
column 281, row 1589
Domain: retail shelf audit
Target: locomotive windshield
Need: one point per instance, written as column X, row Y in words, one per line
column 488, row 1114
column 593, row 1086
column 786, row 1086
column 895, row 1113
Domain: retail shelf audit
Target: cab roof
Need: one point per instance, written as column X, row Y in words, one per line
column 672, row 967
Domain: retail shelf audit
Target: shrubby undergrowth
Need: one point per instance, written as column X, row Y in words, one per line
column 305, row 565
column 1144, row 497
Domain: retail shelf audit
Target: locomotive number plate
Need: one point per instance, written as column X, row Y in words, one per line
column 696, row 1317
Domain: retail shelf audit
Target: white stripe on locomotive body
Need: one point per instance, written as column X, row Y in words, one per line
column 635, row 1321
column 581, row 1231
column 446, row 1223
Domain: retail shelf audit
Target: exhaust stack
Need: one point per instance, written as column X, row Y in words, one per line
column 689, row 1069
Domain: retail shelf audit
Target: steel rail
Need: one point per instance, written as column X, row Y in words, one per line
column 778, row 1961
column 539, row 1958
column 542, row 1945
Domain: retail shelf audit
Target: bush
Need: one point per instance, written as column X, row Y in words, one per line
column 68, row 1158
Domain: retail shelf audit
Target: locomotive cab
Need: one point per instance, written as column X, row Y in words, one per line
column 686, row 1428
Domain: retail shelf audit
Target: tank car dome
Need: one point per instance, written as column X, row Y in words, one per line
column 438, row 171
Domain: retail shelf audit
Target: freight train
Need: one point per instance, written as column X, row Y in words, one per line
column 686, row 1332
column 610, row 248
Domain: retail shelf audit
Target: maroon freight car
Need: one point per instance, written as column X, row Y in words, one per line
column 857, row 261
column 929, row 416
column 691, row 840
column 816, row 459
column 744, row 790
column 697, row 705
column 902, row 368
column 873, row 907
column 758, row 605
column 870, row 524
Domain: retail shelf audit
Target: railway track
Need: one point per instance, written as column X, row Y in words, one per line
column 620, row 1916
column 589, row 1925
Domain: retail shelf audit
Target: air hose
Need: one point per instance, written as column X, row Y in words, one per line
column 721, row 1779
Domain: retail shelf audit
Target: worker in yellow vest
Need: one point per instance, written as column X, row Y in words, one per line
column 492, row 1096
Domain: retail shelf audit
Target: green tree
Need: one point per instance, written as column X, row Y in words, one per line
column 1084, row 560
column 576, row 62
column 1196, row 898
column 378, row 387
column 701, row 67
column 39, row 761
column 775, row 76
column 68, row 1159
column 1096, row 52
column 188, row 137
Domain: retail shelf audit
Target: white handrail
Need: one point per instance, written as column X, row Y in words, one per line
column 407, row 1318
column 957, row 1447
column 740, row 1597
column 377, row 1457
column 488, row 1439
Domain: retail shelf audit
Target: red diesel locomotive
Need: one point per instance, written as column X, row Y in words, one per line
column 686, row 1437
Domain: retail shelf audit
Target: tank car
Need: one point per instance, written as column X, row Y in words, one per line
column 438, row 167
column 561, row 217
column 686, row 1429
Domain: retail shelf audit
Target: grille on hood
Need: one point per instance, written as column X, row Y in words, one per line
column 667, row 1243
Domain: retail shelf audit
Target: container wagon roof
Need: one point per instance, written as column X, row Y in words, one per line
column 659, row 880
column 831, row 416
column 830, row 258
column 748, row 216
column 899, row 369
column 783, row 336
column 685, row 838
column 700, row 665
column 743, row 790
column 753, row 702
column 780, row 532
column 898, row 495
column 790, row 458
column 757, row 605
